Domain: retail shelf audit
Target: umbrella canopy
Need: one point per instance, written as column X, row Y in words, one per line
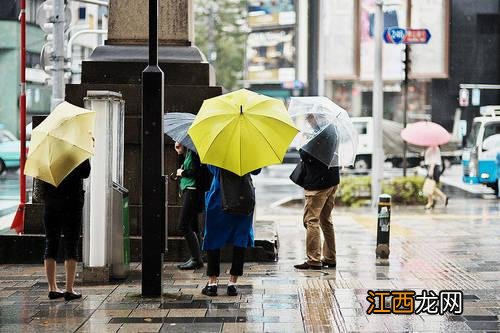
column 176, row 127
column 326, row 129
column 60, row 143
column 242, row 131
column 425, row 133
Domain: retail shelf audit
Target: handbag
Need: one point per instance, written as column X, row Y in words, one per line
column 429, row 186
column 298, row 174
column 238, row 193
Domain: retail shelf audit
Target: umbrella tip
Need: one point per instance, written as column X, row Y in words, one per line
column 241, row 109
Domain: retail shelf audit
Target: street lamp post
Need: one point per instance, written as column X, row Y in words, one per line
column 58, row 55
column 153, row 188
column 378, row 104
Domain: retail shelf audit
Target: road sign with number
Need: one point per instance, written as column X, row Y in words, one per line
column 396, row 35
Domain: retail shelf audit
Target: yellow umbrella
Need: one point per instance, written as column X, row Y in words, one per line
column 242, row 131
column 60, row 143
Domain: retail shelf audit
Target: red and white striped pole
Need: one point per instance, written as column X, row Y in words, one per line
column 18, row 223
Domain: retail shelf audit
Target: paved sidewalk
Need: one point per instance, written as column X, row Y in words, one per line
column 452, row 248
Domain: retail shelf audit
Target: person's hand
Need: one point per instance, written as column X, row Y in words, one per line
column 179, row 172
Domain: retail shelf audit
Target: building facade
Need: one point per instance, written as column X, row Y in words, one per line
column 38, row 88
column 37, row 92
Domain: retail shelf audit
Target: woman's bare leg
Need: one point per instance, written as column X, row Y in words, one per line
column 70, row 266
column 50, row 272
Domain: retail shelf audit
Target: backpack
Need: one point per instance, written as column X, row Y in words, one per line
column 203, row 178
column 238, row 193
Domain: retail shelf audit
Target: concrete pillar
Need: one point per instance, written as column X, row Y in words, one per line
column 175, row 26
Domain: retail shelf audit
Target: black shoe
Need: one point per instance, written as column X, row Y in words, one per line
column 305, row 265
column 188, row 262
column 327, row 265
column 209, row 290
column 194, row 264
column 55, row 294
column 71, row 296
column 232, row 291
column 446, row 201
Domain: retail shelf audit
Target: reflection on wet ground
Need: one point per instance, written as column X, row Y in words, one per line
column 452, row 248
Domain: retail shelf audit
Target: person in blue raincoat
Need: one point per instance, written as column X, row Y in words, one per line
column 223, row 229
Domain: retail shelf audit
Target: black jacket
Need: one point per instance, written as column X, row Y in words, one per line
column 71, row 187
column 317, row 176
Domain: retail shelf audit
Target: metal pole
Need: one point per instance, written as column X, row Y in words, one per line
column 22, row 101
column 313, row 45
column 378, row 104
column 405, row 87
column 405, row 105
column 58, row 55
column 153, row 182
column 18, row 223
column 212, row 49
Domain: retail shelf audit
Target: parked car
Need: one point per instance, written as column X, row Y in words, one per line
column 10, row 147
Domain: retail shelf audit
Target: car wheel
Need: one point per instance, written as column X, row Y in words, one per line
column 361, row 164
column 2, row 166
column 495, row 188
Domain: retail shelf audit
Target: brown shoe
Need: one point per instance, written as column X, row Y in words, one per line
column 305, row 265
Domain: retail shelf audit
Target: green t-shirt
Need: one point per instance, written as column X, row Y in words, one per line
column 187, row 165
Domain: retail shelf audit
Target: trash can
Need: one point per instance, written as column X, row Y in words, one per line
column 120, row 238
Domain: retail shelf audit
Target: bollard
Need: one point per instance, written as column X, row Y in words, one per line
column 383, row 226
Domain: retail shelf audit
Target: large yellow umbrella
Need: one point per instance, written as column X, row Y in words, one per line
column 242, row 131
column 60, row 143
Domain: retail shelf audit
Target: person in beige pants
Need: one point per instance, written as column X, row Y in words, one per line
column 320, row 183
column 318, row 218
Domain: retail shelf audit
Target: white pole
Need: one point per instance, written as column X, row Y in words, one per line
column 378, row 104
column 58, row 55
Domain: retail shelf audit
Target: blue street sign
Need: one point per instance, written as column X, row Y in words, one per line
column 396, row 35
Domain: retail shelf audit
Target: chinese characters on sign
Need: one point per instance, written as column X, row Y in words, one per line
column 409, row 302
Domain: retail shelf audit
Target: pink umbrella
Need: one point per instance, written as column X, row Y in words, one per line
column 425, row 133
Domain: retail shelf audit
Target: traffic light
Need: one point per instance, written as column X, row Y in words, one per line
column 407, row 61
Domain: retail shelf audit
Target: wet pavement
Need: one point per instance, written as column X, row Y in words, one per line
column 452, row 248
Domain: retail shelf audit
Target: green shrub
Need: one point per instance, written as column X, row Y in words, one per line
column 356, row 191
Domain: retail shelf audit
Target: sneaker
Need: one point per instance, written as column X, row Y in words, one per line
column 305, row 265
column 209, row 290
column 56, row 294
column 232, row 291
column 71, row 296
column 328, row 265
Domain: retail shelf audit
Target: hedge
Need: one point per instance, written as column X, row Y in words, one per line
column 355, row 191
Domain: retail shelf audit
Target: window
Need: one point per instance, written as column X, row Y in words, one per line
column 488, row 23
column 491, row 129
column 82, row 13
column 32, row 60
column 471, row 140
column 361, row 128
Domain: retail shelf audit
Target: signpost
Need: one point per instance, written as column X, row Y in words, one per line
column 397, row 35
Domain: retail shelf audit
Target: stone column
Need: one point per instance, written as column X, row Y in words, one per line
column 128, row 22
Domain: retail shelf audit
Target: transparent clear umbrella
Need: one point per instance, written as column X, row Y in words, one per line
column 326, row 131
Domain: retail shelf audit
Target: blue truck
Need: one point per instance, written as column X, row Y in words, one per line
column 479, row 159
